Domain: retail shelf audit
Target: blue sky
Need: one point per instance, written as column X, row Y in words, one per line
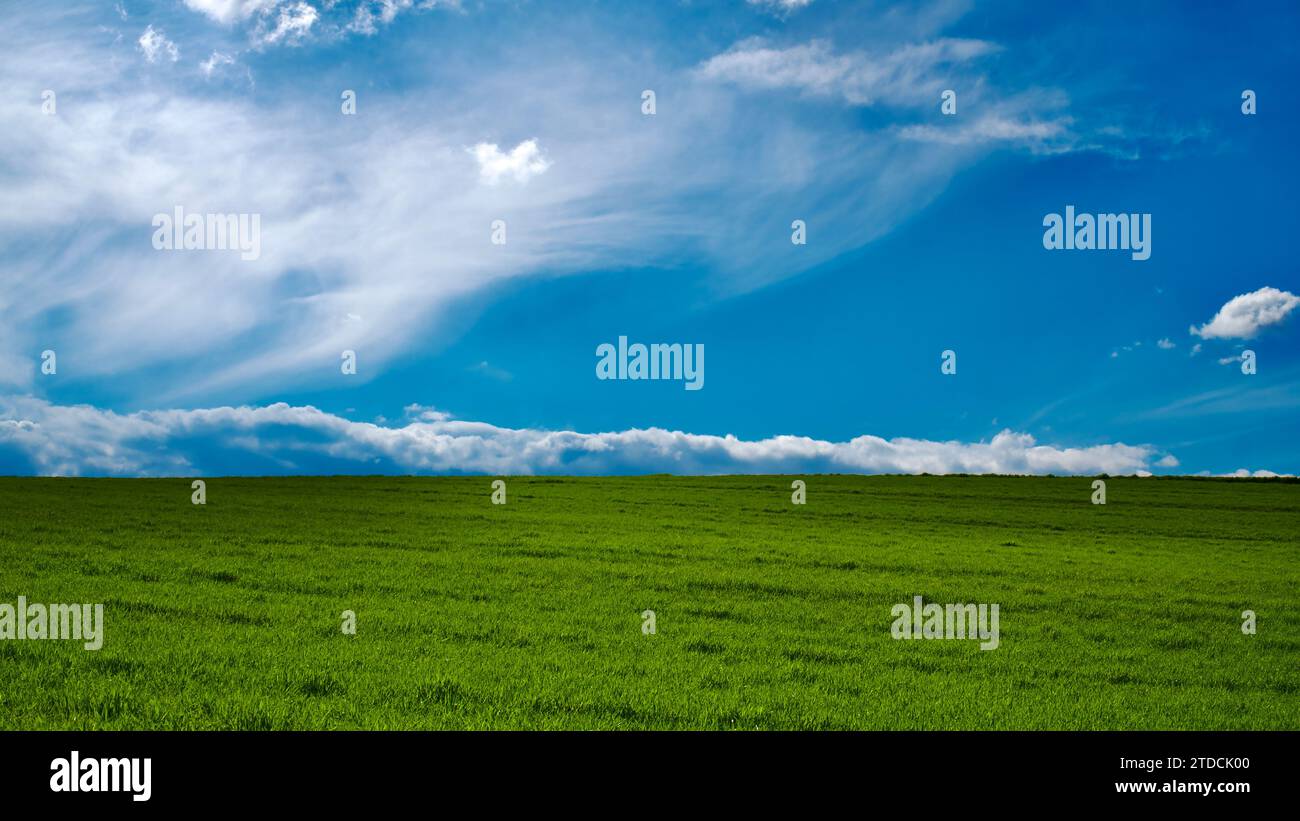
column 924, row 234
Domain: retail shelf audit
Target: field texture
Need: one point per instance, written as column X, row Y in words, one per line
column 768, row 615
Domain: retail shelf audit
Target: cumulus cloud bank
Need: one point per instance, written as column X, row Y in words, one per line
column 37, row 436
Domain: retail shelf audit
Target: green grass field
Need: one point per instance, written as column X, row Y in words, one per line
column 768, row 615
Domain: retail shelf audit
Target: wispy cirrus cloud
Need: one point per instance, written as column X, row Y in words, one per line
column 345, row 212
column 1044, row 135
column 908, row 75
column 386, row 216
column 1230, row 400
column 909, row 78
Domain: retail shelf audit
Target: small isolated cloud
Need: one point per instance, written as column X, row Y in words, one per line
column 214, row 62
column 291, row 24
column 1246, row 315
column 1165, row 344
column 155, row 46
column 51, row 439
column 524, row 162
column 1195, row 349
column 1168, row 461
column 488, row 369
column 1228, row 360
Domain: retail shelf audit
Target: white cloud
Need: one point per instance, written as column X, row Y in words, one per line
column 1246, row 315
column 1168, row 461
column 74, row 440
column 389, row 222
column 488, row 369
column 370, row 12
column 1196, row 349
column 524, row 162
column 781, row 6
column 1165, row 344
column 216, row 60
column 909, row 75
column 1243, row 473
column 1228, row 360
column 292, row 24
column 341, row 204
column 231, row 11
column 275, row 21
column 990, row 128
column 155, row 46
column 913, row 76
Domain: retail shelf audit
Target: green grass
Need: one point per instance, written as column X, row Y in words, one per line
column 769, row 615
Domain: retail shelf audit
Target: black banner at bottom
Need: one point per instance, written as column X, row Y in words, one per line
column 144, row 771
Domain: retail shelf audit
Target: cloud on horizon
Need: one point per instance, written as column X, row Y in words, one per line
column 74, row 440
